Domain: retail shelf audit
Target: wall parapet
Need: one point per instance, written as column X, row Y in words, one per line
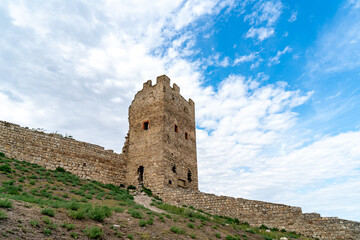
column 88, row 161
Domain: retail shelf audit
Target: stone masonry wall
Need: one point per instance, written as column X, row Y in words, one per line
column 85, row 160
column 272, row 215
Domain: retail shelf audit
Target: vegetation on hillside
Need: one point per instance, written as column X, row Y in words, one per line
column 37, row 204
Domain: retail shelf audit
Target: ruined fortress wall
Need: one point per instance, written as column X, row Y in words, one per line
column 85, row 160
column 272, row 215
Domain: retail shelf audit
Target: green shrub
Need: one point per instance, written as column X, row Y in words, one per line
column 9, row 187
column 250, row 231
column 118, row 209
column 190, row 225
column 49, row 223
column 2, row 154
column 157, row 198
column 73, row 205
column 32, row 182
column 293, row 234
column 100, row 196
column 177, row 230
column 74, row 235
column 131, row 237
column 131, row 187
column 47, row 232
column 142, row 223
column 48, row 212
column 5, row 203
column 33, row 177
column 68, row 226
column 22, row 179
column 218, row 235
column 192, row 235
column 78, row 214
column 263, row 227
column 3, row 215
column 186, row 212
column 229, row 237
column 161, row 218
column 60, row 169
column 34, row 223
column 5, row 168
column 147, row 191
column 135, row 214
column 99, row 213
column 93, row 232
column 267, row 238
column 245, row 224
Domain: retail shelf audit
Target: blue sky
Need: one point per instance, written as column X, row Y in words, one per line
column 276, row 85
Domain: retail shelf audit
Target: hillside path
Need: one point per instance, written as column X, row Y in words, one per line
column 145, row 200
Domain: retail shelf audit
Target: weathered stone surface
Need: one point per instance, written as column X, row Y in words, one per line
column 165, row 149
column 86, row 160
column 160, row 153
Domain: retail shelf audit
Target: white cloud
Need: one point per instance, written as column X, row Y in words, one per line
column 264, row 13
column 293, row 16
column 261, row 33
column 251, row 119
column 244, row 58
column 234, row 156
column 276, row 59
column 73, row 60
column 267, row 12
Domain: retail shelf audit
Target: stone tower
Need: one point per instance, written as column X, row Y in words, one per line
column 161, row 144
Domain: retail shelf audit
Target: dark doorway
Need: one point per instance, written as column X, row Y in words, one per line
column 140, row 172
column 189, row 176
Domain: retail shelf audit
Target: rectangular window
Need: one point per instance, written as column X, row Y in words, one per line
column 146, row 125
column 186, row 136
column 176, row 128
column 181, row 183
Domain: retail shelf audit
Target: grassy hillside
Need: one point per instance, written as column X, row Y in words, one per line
column 36, row 203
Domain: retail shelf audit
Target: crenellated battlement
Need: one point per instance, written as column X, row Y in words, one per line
column 164, row 81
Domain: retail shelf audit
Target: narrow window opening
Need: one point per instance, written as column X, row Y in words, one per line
column 176, row 128
column 186, row 136
column 84, row 164
column 146, row 125
column 140, row 172
column 189, row 176
column 174, row 169
column 170, row 182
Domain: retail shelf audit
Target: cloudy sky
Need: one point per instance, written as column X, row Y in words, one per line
column 276, row 85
